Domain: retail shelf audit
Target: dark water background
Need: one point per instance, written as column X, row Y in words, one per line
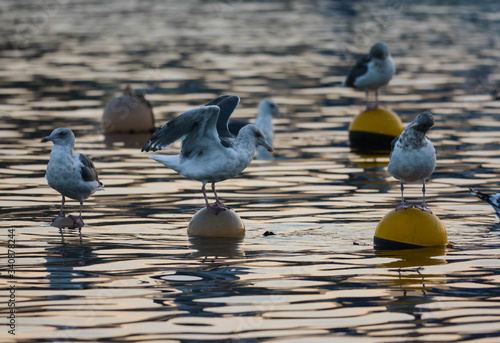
column 137, row 277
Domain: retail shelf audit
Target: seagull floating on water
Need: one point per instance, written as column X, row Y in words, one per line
column 69, row 172
column 372, row 71
column 209, row 152
column 267, row 110
column 413, row 158
column 492, row 199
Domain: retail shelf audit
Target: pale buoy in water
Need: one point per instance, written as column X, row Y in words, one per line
column 128, row 113
column 225, row 224
column 375, row 129
column 64, row 222
column 409, row 228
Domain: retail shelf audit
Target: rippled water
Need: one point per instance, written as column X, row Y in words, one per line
column 136, row 276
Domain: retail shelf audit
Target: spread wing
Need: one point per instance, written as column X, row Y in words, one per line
column 89, row 173
column 227, row 104
column 359, row 69
column 196, row 127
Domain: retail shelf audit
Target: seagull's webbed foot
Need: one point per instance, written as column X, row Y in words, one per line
column 77, row 220
column 423, row 207
column 371, row 107
column 224, row 206
column 402, row 206
column 216, row 208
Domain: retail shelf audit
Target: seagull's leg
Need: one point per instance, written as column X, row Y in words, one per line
column 217, row 201
column 403, row 204
column 423, row 207
column 205, row 196
column 79, row 221
column 373, row 107
column 215, row 209
column 61, row 213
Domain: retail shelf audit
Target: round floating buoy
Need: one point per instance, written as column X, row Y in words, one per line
column 374, row 130
column 225, row 224
column 409, row 228
column 128, row 113
column 64, row 222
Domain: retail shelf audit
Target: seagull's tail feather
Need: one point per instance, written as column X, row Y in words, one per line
column 490, row 199
column 480, row 195
column 171, row 161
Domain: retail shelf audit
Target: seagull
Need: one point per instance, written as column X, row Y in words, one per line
column 209, row 152
column 266, row 111
column 413, row 157
column 492, row 199
column 372, row 71
column 69, row 172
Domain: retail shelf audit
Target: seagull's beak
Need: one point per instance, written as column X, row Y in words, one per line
column 268, row 147
column 45, row 139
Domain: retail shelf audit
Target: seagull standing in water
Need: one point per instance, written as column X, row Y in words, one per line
column 413, row 157
column 372, row 71
column 266, row 111
column 209, row 152
column 69, row 172
column 492, row 199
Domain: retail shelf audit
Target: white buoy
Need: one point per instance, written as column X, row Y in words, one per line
column 64, row 222
column 225, row 224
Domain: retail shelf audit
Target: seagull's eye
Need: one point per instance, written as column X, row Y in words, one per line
column 257, row 134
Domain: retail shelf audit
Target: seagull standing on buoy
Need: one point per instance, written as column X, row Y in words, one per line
column 69, row 172
column 209, row 152
column 492, row 199
column 413, row 158
column 372, row 71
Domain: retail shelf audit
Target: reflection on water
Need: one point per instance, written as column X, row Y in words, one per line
column 136, row 276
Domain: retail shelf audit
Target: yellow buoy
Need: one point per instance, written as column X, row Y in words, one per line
column 409, row 228
column 225, row 224
column 374, row 130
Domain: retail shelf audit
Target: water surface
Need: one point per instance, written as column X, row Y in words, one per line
column 136, row 276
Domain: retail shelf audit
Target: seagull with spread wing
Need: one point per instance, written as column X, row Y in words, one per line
column 209, row 153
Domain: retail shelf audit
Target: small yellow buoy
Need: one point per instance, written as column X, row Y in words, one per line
column 225, row 224
column 374, row 130
column 128, row 113
column 409, row 228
